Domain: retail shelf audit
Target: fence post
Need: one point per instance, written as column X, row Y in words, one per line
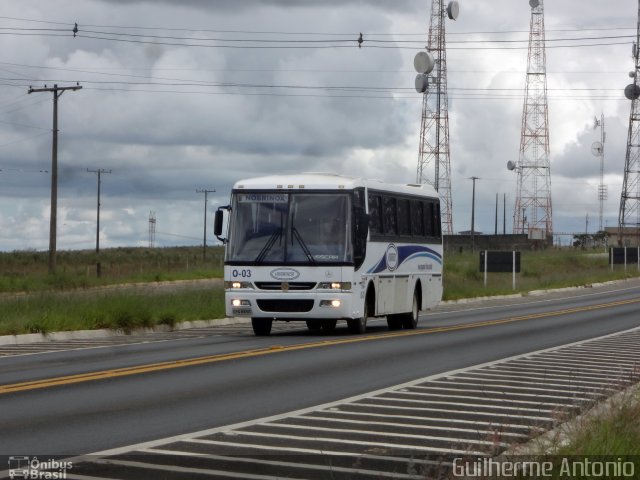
column 514, row 269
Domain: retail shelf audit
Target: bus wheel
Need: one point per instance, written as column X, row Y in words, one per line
column 410, row 320
column 329, row 325
column 359, row 325
column 261, row 326
column 314, row 325
column 394, row 322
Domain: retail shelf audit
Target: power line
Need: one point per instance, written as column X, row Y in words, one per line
column 420, row 34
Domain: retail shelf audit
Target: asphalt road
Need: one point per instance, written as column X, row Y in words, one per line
column 82, row 401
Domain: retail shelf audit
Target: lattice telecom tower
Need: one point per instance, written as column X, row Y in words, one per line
column 152, row 229
column 629, row 216
column 434, row 162
column 597, row 148
column 533, row 199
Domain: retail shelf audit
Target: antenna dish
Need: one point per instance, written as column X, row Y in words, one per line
column 634, row 50
column 424, row 62
column 421, row 83
column 534, row 3
column 453, row 10
column 511, row 165
column 632, row 74
column 597, row 149
column 632, row 91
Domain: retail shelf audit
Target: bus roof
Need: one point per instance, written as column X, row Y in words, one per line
column 328, row 181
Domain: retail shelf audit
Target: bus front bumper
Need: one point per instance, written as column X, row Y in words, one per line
column 294, row 306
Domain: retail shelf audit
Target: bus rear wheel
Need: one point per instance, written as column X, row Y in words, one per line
column 394, row 322
column 261, row 326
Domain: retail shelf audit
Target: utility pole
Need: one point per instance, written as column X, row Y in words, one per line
column 99, row 172
column 473, row 215
column 504, row 214
column 53, row 221
column 496, row 231
column 204, row 241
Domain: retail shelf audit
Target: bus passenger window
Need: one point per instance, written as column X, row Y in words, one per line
column 389, row 215
column 404, row 226
column 375, row 214
column 417, row 218
column 428, row 219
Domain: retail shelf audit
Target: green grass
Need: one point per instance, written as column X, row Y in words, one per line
column 52, row 312
column 611, row 435
column 539, row 271
column 62, row 302
column 27, row 271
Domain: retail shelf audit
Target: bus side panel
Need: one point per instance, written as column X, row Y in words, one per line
column 385, row 294
column 403, row 294
column 396, row 269
column 431, row 291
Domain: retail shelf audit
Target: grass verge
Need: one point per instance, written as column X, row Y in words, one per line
column 54, row 312
column 603, row 444
column 59, row 302
column 539, row 271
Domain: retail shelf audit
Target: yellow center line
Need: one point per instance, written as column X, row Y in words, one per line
column 161, row 366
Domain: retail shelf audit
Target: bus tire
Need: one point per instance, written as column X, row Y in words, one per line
column 261, row 326
column 329, row 325
column 359, row 325
column 394, row 322
column 410, row 320
column 314, row 325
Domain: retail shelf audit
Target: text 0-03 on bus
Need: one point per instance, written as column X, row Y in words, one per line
column 322, row 248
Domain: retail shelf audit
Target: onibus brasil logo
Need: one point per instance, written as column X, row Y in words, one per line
column 32, row 468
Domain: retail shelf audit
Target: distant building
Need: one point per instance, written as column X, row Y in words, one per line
column 630, row 236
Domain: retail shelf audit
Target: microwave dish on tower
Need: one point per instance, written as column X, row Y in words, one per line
column 597, row 149
column 453, row 10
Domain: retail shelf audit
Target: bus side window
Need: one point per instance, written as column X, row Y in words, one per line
column 404, row 222
column 428, row 219
column 417, row 218
column 375, row 214
column 389, row 216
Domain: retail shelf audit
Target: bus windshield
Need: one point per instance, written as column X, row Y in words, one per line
column 285, row 228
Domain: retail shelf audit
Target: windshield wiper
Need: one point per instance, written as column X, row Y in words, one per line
column 305, row 249
column 272, row 239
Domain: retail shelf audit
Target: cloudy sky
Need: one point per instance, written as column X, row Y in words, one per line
column 197, row 94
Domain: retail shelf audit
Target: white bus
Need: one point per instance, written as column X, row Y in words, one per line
column 322, row 248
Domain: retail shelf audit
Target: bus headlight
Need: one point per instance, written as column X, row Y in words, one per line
column 237, row 285
column 344, row 286
column 330, row 303
column 240, row 303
